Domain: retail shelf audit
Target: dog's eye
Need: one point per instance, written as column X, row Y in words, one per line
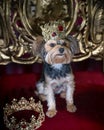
column 52, row 45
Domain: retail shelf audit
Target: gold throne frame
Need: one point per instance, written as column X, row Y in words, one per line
column 20, row 20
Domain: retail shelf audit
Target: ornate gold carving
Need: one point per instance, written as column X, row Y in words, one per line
column 22, row 105
column 20, row 22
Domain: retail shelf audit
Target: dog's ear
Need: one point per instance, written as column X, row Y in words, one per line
column 38, row 46
column 74, row 46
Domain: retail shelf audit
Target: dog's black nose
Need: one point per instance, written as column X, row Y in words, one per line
column 61, row 50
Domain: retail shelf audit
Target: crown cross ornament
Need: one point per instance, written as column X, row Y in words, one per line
column 53, row 30
column 21, row 105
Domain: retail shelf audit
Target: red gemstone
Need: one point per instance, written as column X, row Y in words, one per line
column 60, row 27
column 53, row 34
column 23, row 126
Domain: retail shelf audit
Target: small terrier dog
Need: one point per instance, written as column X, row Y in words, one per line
column 57, row 76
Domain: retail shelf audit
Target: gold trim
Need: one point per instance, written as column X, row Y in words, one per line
column 20, row 23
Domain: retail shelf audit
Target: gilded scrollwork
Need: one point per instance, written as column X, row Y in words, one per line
column 97, row 27
column 4, row 51
column 20, row 22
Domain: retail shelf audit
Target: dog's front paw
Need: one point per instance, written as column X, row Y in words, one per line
column 51, row 113
column 71, row 108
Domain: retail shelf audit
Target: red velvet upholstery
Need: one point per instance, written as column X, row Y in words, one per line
column 19, row 80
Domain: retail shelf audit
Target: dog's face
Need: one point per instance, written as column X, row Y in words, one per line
column 57, row 51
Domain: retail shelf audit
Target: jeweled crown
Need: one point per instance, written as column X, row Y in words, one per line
column 21, row 105
column 53, row 30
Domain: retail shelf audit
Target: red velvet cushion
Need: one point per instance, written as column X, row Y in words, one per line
column 89, row 99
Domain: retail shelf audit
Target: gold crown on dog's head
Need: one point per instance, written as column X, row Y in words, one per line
column 53, row 30
column 22, row 105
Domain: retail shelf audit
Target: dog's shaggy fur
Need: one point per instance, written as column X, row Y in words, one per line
column 57, row 77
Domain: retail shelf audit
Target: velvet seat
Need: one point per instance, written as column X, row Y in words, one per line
column 18, row 81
